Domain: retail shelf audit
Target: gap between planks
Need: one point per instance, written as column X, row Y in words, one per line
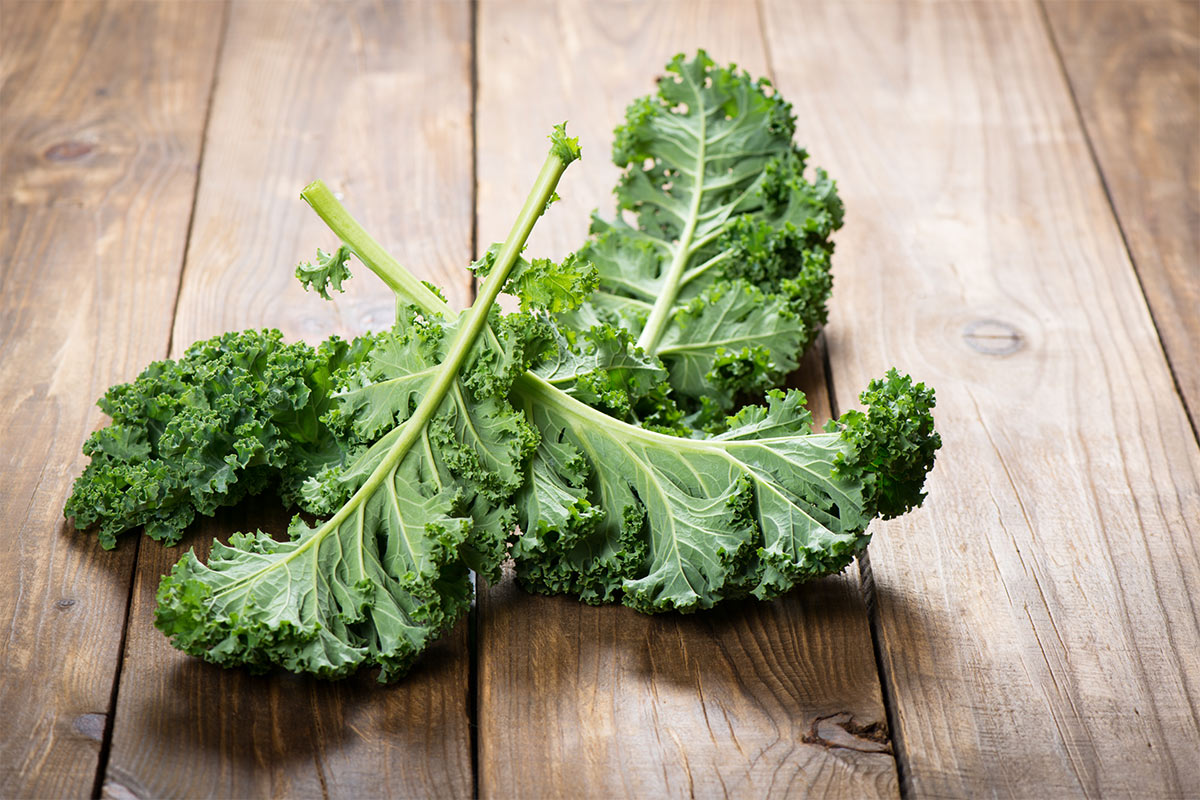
column 473, row 612
column 866, row 579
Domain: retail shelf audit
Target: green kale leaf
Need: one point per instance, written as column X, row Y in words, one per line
column 611, row 511
column 238, row 413
column 428, row 501
column 724, row 274
column 389, row 570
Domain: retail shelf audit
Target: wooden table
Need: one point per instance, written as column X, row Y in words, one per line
column 1023, row 190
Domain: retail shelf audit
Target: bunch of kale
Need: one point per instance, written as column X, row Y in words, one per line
column 587, row 437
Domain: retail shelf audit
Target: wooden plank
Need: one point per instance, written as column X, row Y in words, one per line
column 100, row 133
column 384, row 122
column 1038, row 617
column 750, row 700
column 374, row 98
column 1134, row 69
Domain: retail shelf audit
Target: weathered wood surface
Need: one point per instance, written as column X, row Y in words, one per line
column 1134, row 69
column 1038, row 617
column 101, row 119
column 375, row 99
column 755, row 700
column 372, row 98
column 1036, row 621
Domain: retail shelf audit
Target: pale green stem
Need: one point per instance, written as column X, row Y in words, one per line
column 370, row 252
column 659, row 315
column 468, row 332
column 535, row 388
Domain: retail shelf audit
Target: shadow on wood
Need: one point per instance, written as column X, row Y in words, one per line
column 750, row 697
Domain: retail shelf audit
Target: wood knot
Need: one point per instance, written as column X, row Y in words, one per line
column 840, row 730
column 993, row 337
column 91, row 725
column 68, row 151
column 64, row 603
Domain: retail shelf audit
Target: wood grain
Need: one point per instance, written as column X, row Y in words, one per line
column 1134, row 68
column 749, row 700
column 1038, row 616
column 374, row 98
column 1037, row 619
column 101, row 117
column 754, row 700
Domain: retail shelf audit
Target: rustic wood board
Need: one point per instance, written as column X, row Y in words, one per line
column 1134, row 70
column 752, row 700
column 101, row 119
column 1037, row 619
column 375, row 99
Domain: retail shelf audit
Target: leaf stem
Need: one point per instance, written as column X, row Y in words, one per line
column 506, row 259
column 382, row 264
column 370, row 252
column 665, row 304
column 468, row 332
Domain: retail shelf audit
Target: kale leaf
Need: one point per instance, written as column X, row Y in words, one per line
column 612, row 512
column 388, row 570
column 238, row 413
column 724, row 274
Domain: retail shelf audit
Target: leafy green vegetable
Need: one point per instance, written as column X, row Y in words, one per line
column 616, row 511
column 389, row 570
column 236, row 414
column 553, row 435
column 725, row 274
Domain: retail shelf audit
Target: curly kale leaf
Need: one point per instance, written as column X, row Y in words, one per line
column 236, row 414
column 389, row 569
column 725, row 273
column 329, row 271
column 611, row 511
